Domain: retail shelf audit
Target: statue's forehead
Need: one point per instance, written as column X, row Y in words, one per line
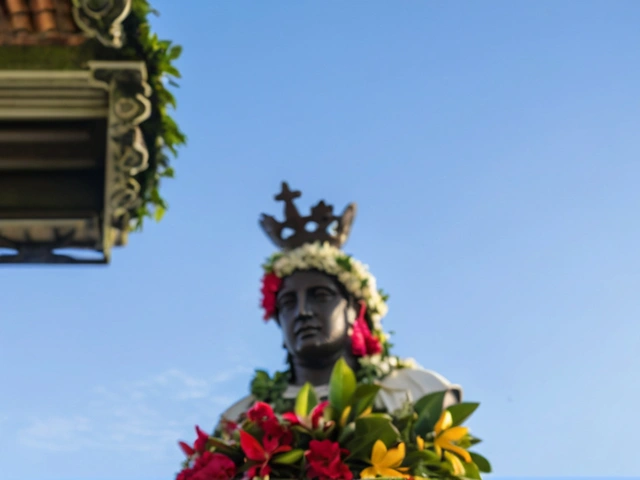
column 306, row 279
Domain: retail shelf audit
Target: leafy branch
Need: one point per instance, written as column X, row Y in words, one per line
column 162, row 135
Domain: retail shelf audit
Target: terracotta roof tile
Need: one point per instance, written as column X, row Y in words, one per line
column 38, row 22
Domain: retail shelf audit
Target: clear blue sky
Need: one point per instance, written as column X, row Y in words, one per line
column 493, row 149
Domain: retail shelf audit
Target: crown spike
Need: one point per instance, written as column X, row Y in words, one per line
column 329, row 228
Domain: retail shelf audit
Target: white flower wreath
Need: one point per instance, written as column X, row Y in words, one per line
column 351, row 273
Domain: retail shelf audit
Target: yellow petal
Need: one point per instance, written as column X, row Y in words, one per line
column 458, row 468
column 438, row 449
column 454, row 434
column 369, row 472
column 443, row 422
column 394, row 457
column 378, row 453
column 459, row 450
column 391, row 473
column 420, row 442
column 345, row 416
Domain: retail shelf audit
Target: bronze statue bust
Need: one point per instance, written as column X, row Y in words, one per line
column 328, row 307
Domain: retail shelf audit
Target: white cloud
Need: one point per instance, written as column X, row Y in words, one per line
column 57, row 434
column 148, row 416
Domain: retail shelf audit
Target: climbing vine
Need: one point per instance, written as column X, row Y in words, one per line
column 162, row 135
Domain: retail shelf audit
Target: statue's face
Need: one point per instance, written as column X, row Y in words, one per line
column 314, row 316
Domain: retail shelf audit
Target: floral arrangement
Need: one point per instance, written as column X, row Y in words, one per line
column 341, row 438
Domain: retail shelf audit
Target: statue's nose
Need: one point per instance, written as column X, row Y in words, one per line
column 303, row 306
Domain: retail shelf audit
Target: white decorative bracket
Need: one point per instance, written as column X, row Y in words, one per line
column 102, row 19
column 127, row 155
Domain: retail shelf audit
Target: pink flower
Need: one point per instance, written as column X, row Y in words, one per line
column 324, row 463
column 362, row 341
column 270, row 285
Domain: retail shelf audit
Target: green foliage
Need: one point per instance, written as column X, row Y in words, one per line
column 306, row 400
column 368, row 431
column 429, row 409
column 482, row 463
column 350, row 421
column 162, row 135
column 289, row 457
column 270, row 390
column 342, row 386
column 363, row 398
column 461, row 411
column 345, row 262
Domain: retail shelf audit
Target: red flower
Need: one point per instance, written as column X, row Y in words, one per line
column 362, row 341
column 199, row 446
column 275, row 435
column 312, row 421
column 323, row 458
column 260, row 412
column 228, row 427
column 270, row 285
column 210, row 466
column 261, row 454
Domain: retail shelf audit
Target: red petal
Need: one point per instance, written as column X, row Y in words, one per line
column 188, row 451
column 201, row 433
column 265, row 470
column 251, row 447
column 292, row 418
column 282, row 448
column 317, row 412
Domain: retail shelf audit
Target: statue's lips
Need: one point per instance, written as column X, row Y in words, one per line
column 307, row 332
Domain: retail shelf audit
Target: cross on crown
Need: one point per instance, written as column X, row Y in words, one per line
column 296, row 230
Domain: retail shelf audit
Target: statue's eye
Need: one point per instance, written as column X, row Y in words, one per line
column 288, row 301
column 322, row 294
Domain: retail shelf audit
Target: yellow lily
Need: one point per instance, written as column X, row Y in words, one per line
column 446, row 436
column 420, row 442
column 386, row 463
column 458, row 468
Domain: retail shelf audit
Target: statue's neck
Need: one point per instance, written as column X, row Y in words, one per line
column 318, row 372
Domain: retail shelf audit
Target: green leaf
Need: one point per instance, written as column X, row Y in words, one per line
column 342, row 386
column 344, row 262
column 173, row 71
column 471, row 471
column 159, row 213
column 426, row 456
column 474, row 440
column 429, row 409
column 368, row 431
column 482, row 463
column 347, row 433
column 168, row 172
column 306, row 400
column 221, row 447
column 363, row 398
column 289, row 458
column 175, row 52
column 261, row 385
column 461, row 411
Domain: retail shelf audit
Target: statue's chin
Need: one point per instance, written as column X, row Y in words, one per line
column 317, row 351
